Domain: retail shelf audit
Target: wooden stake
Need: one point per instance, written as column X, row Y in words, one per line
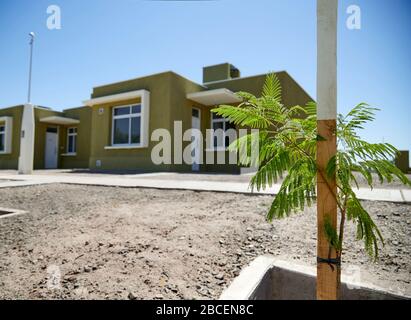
column 328, row 271
column 328, row 274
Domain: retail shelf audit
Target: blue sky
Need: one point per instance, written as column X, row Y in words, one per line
column 103, row 41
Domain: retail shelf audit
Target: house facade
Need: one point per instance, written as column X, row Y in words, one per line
column 114, row 129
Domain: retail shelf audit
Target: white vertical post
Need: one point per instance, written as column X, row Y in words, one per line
column 27, row 132
column 27, row 140
column 327, row 59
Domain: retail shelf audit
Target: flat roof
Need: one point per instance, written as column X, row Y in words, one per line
column 214, row 97
column 115, row 97
column 60, row 120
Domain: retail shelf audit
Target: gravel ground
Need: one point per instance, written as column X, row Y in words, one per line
column 116, row 243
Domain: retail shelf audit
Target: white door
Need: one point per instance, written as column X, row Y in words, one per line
column 195, row 124
column 51, row 149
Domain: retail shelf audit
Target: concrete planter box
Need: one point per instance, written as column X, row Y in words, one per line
column 269, row 279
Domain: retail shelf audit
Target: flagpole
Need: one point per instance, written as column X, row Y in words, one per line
column 31, row 34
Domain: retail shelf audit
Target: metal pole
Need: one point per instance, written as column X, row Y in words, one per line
column 31, row 34
column 328, row 263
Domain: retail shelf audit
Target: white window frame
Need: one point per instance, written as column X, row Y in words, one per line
column 7, row 123
column 73, row 134
column 144, row 97
column 224, row 121
column 127, row 116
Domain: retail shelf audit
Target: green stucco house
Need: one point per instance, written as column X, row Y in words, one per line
column 113, row 130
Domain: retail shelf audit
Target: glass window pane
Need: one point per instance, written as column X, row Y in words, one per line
column 2, row 129
column 1, row 142
column 229, row 125
column 70, row 144
column 121, row 127
column 121, row 111
column 218, row 125
column 135, row 129
column 51, row 129
column 195, row 113
column 136, row 108
column 218, row 140
column 218, row 134
column 216, row 116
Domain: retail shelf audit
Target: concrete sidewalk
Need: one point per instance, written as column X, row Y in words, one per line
column 144, row 181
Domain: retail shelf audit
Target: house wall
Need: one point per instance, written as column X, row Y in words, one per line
column 40, row 136
column 216, row 72
column 181, row 110
column 130, row 159
column 402, row 161
column 84, row 131
column 292, row 93
column 168, row 103
column 10, row 161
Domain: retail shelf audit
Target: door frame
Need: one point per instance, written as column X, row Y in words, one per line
column 195, row 167
column 57, row 146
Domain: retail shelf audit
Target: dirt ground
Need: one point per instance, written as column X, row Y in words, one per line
column 117, row 243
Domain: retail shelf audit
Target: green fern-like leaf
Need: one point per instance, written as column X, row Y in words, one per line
column 287, row 150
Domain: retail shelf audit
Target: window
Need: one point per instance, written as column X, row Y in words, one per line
column 71, row 140
column 195, row 113
column 6, row 134
column 2, row 137
column 126, row 125
column 221, row 136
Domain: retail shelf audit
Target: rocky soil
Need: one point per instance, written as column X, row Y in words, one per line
column 83, row 242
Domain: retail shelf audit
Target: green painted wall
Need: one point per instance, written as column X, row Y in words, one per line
column 84, row 130
column 402, row 161
column 182, row 111
column 223, row 71
column 292, row 93
column 11, row 161
column 216, row 72
column 40, row 136
column 133, row 159
column 168, row 103
column 81, row 160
